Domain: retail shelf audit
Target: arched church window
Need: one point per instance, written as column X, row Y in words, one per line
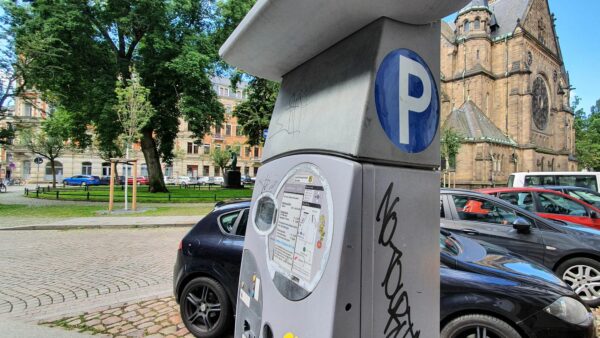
column 466, row 26
column 540, row 103
column 477, row 24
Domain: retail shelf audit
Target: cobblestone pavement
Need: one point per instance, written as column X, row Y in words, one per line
column 153, row 318
column 50, row 273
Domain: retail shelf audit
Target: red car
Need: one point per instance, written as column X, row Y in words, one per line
column 141, row 180
column 549, row 204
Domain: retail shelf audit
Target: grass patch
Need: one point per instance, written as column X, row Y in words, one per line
column 175, row 194
column 66, row 211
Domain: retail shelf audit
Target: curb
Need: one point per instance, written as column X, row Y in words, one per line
column 96, row 226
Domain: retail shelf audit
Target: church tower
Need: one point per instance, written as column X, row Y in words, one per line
column 473, row 27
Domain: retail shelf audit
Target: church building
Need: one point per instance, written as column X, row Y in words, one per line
column 505, row 89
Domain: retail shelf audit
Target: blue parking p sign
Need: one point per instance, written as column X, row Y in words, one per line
column 406, row 99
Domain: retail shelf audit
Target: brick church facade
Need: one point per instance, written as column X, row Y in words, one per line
column 505, row 89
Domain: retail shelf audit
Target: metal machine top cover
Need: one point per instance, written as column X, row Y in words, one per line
column 279, row 35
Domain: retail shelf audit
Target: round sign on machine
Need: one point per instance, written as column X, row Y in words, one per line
column 406, row 99
column 300, row 237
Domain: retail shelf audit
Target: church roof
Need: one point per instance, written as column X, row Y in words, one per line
column 473, row 125
column 507, row 13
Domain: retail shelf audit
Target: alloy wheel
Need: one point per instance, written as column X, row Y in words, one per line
column 203, row 308
column 584, row 280
column 478, row 331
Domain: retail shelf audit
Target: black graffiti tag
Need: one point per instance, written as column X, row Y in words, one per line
column 399, row 322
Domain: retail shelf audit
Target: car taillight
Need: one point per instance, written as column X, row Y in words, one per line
column 180, row 245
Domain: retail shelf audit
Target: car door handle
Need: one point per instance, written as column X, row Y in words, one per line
column 470, row 231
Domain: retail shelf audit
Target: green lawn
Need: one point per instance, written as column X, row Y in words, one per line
column 175, row 194
column 65, row 211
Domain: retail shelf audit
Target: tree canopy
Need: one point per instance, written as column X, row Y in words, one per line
column 587, row 135
column 75, row 51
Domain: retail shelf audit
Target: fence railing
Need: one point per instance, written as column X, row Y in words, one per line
column 84, row 193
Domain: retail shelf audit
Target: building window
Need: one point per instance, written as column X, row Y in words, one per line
column 255, row 171
column 206, row 149
column 58, row 168
column 27, row 109
column 478, row 54
column 247, row 171
column 466, row 26
column 223, row 91
column 26, row 172
column 105, row 169
column 228, row 109
column 238, row 130
column 239, row 94
column 217, row 147
column 205, row 170
column 86, row 168
column 228, row 129
column 192, row 148
column 143, row 170
column 217, row 171
column 218, row 131
column 477, row 24
column 169, row 171
column 255, row 151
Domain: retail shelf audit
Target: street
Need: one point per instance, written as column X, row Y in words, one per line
column 46, row 274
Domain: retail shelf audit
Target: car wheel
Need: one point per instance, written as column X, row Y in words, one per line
column 478, row 326
column 583, row 275
column 83, row 184
column 204, row 308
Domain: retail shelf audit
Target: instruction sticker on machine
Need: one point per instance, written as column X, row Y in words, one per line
column 299, row 245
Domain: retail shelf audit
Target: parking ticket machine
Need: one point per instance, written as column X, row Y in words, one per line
column 343, row 236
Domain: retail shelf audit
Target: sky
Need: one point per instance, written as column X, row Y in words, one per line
column 579, row 37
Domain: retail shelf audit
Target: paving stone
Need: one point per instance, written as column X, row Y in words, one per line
column 181, row 332
column 93, row 322
column 111, row 320
column 145, row 325
column 169, row 330
column 154, row 329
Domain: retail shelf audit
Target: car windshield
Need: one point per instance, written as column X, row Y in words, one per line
column 449, row 245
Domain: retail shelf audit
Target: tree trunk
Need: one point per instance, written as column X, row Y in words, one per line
column 52, row 166
column 155, row 174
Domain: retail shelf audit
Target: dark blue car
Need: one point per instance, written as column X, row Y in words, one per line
column 82, row 180
column 485, row 290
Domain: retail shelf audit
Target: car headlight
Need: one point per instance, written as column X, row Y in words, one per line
column 569, row 310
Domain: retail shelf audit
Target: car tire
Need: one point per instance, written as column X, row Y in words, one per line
column 197, row 297
column 479, row 325
column 575, row 272
column 83, row 184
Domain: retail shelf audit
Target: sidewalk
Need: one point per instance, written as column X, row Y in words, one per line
column 105, row 222
column 15, row 329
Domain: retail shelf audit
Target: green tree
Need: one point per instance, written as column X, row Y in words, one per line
column 587, row 135
column 82, row 46
column 50, row 140
column 220, row 158
column 133, row 108
column 450, row 143
column 255, row 113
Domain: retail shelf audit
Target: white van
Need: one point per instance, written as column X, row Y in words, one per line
column 563, row 178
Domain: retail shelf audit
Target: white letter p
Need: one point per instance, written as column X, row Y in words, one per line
column 409, row 103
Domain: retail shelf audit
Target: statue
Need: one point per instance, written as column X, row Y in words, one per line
column 233, row 161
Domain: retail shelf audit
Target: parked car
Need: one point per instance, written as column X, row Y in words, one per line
column 82, row 180
column 589, row 196
column 218, row 180
column 484, row 288
column 170, row 180
column 141, row 180
column 185, row 180
column 105, row 180
column 584, row 179
column 245, row 179
column 570, row 250
column 549, row 204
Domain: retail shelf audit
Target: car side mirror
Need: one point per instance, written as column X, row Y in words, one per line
column 593, row 214
column 522, row 225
